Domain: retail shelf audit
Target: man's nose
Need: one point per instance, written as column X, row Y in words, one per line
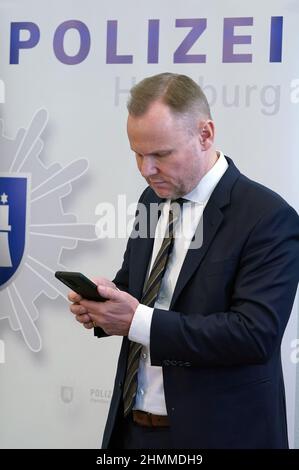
column 148, row 167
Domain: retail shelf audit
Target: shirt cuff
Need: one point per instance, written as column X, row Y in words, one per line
column 141, row 325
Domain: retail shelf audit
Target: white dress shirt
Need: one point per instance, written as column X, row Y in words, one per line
column 150, row 392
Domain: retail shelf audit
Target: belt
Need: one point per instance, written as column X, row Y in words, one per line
column 149, row 420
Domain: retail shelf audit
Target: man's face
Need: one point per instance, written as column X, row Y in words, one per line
column 169, row 156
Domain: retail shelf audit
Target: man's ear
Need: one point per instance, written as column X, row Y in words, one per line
column 207, row 133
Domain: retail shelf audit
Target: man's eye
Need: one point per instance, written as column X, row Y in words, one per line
column 164, row 154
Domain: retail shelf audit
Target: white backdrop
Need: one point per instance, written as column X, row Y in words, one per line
column 64, row 124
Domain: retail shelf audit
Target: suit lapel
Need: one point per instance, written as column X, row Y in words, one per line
column 142, row 250
column 141, row 258
column 212, row 219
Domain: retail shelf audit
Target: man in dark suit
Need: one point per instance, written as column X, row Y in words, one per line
column 208, row 303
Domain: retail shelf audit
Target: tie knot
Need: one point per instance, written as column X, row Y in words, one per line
column 179, row 200
column 175, row 209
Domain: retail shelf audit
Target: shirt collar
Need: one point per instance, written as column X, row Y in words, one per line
column 202, row 192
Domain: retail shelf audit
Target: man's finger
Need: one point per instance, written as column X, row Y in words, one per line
column 110, row 293
column 88, row 325
column 77, row 309
column 83, row 318
column 74, row 297
column 91, row 305
column 103, row 282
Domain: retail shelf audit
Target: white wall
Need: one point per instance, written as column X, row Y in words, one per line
column 56, row 379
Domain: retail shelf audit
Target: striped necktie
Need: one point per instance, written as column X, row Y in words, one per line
column 149, row 296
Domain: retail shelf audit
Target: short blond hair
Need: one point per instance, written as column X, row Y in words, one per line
column 179, row 92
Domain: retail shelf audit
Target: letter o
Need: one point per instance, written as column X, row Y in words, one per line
column 84, row 42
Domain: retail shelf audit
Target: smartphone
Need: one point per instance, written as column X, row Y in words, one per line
column 80, row 284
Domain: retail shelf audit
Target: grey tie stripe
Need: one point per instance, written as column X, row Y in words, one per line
column 150, row 293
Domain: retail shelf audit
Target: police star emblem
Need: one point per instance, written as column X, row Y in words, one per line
column 34, row 229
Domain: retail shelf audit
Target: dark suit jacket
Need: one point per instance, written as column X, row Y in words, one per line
column 219, row 344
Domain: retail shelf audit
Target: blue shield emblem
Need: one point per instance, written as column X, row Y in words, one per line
column 13, row 216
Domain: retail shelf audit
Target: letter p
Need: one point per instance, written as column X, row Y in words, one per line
column 16, row 44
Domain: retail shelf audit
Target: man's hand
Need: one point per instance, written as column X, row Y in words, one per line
column 114, row 315
column 80, row 312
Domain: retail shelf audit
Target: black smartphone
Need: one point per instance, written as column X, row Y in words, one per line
column 80, row 284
